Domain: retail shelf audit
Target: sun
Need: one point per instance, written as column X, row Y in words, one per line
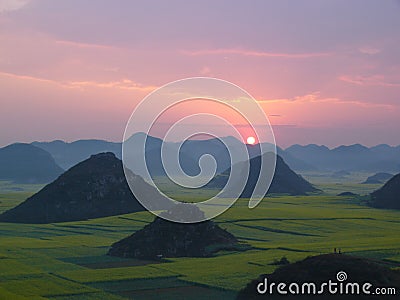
column 251, row 140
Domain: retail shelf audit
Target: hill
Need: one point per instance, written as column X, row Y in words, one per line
column 69, row 154
column 378, row 178
column 344, row 194
column 387, row 196
column 24, row 163
column 163, row 238
column 381, row 158
column 322, row 268
column 93, row 188
column 285, row 180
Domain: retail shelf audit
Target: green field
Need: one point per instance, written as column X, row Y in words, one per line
column 68, row 261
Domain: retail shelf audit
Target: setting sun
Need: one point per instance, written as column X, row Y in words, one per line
column 251, row 140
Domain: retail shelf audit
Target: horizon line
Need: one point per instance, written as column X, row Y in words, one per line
column 222, row 137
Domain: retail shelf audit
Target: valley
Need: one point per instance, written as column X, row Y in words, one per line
column 69, row 261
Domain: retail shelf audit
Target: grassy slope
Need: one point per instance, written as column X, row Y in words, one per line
column 67, row 261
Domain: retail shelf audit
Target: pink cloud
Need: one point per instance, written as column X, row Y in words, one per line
column 85, row 45
column 369, row 50
column 13, row 76
column 314, row 110
column 126, row 84
column 317, row 98
column 375, row 80
column 122, row 84
column 253, row 53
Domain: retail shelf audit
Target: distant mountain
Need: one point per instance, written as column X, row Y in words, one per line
column 69, row 154
column 309, row 151
column 294, row 162
column 387, row 196
column 163, row 238
column 340, row 174
column 320, row 270
column 215, row 147
column 190, row 153
column 381, row 158
column 25, row 163
column 152, row 154
column 93, row 188
column 378, row 178
column 285, row 181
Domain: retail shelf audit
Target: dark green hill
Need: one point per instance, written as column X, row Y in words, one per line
column 343, row 194
column 285, row 180
column 387, row 196
column 322, row 268
column 25, row 163
column 163, row 238
column 93, row 188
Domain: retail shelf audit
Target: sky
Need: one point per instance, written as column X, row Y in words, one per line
column 325, row 72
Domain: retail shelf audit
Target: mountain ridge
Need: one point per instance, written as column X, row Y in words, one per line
column 311, row 157
column 25, row 163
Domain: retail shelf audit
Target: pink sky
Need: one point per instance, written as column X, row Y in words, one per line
column 326, row 72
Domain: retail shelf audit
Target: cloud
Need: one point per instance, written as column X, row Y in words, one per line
column 369, row 50
column 10, row 5
column 84, row 45
column 206, row 71
column 375, row 80
column 316, row 98
column 32, row 78
column 253, row 53
column 304, row 98
column 125, row 84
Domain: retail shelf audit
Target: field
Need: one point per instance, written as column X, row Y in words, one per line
column 69, row 261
